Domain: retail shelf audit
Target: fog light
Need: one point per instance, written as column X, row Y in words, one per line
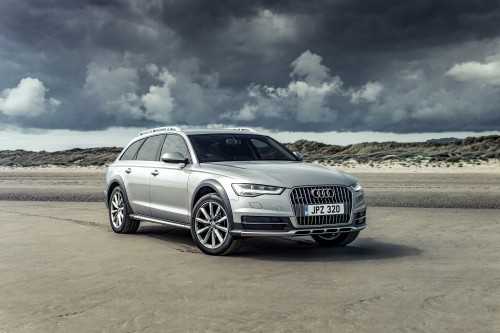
column 360, row 218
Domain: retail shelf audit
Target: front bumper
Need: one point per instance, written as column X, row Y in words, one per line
column 296, row 232
column 273, row 215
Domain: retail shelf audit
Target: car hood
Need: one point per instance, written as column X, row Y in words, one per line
column 281, row 173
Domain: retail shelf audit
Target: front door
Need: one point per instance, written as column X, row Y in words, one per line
column 168, row 185
column 168, row 192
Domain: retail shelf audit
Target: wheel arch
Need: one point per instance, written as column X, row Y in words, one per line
column 112, row 185
column 211, row 186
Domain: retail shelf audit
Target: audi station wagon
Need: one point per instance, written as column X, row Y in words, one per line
column 226, row 185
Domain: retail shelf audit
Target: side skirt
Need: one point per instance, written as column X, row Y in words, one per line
column 153, row 220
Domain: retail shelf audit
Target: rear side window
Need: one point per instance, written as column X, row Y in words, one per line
column 131, row 150
column 151, row 148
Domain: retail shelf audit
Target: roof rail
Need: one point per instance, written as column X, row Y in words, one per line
column 160, row 129
column 245, row 129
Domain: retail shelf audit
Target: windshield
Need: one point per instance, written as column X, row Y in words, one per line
column 234, row 147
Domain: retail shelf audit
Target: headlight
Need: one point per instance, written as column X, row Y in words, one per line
column 253, row 190
column 356, row 187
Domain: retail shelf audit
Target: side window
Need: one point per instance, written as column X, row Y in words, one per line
column 131, row 150
column 175, row 143
column 150, row 148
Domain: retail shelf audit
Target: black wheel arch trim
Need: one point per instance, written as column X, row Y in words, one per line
column 120, row 183
column 221, row 192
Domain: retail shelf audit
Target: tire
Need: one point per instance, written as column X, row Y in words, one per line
column 119, row 218
column 339, row 239
column 211, row 227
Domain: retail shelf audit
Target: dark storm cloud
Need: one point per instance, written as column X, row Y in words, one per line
column 402, row 66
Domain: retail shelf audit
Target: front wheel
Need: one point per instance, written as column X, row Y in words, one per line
column 338, row 239
column 211, row 226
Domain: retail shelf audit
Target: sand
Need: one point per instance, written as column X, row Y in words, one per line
column 471, row 189
column 414, row 269
column 411, row 270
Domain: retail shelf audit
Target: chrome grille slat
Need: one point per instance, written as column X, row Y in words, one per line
column 301, row 196
column 342, row 196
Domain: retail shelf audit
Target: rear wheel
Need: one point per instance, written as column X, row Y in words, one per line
column 211, row 227
column 338, row 239
column 118, row 213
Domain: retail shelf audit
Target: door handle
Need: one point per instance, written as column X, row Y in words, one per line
column 155, row 173
column 128, row 170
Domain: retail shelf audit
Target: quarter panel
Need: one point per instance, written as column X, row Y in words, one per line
column 136, row 184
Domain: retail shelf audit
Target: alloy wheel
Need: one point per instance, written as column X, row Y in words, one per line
column 211, row 225
column 117, row 209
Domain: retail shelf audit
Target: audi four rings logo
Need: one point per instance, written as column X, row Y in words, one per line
column 321, row 194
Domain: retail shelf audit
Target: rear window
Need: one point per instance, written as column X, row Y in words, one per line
column 131, row 150
column 150, row 150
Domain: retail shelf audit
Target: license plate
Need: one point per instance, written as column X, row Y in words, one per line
column 317, row 210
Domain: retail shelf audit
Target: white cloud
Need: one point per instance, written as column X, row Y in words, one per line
column 311, row 100
column 305, row 99
column 27, row 99
column 246, row 113
column 129, row 105
column 109, row 83
column 159, row 102
column 309, row 67
column 186, row 95
column 118, row 89
column 431, row 102
column 483, row 73
column 308, row 98
column 367, row 93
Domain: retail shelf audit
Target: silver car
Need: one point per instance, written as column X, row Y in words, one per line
column 227, row 185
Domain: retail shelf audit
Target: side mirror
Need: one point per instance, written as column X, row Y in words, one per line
column 298, row 155
column 174, row 157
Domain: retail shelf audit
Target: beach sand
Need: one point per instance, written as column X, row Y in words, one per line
column 414, row 269
column 386, row 185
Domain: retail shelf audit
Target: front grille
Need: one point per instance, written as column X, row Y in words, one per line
column 301, row 196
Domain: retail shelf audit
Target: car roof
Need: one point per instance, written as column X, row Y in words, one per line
column 218, row 131
column 242, row 130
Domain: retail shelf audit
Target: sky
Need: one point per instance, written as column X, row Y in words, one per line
column 95, row 73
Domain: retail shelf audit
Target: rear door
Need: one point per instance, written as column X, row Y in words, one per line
column 138, row 172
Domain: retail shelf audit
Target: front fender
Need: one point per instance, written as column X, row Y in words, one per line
column 221, row 192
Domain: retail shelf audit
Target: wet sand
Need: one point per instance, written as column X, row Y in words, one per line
column 382, row 189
